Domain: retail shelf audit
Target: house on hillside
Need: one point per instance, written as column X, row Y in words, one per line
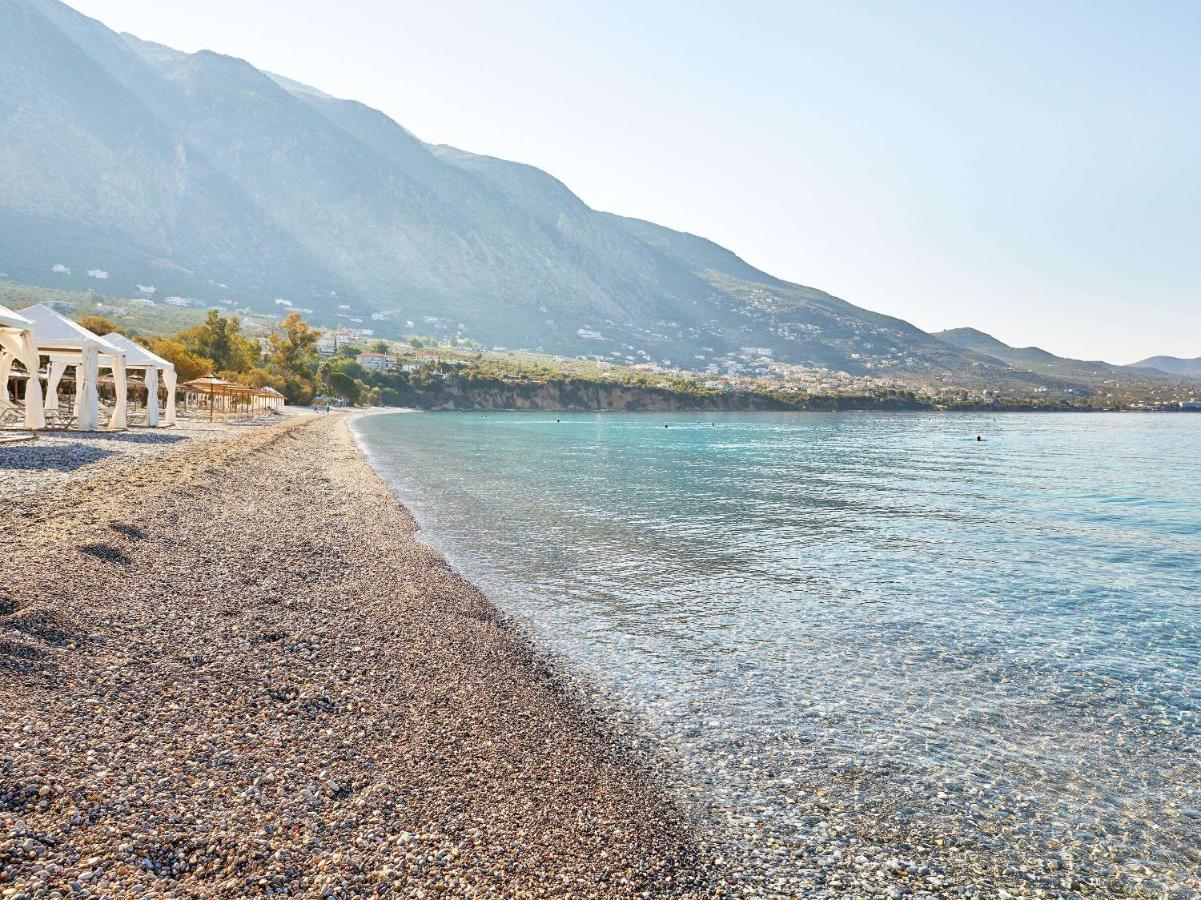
column 374, row 362
column 330, row 341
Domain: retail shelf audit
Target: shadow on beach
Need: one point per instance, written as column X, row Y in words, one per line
column 51, row 456
column 66, row 451
column 132, row 436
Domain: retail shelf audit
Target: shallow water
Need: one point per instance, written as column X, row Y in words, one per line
column 864, row 638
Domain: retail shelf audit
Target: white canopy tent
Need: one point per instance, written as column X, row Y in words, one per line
column 67, row 344
column 138, row 357
column 16, row 344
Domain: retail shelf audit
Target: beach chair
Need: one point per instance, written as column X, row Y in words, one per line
column 60, row 419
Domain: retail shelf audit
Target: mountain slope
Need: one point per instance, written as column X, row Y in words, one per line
column 94, row 171
column 1172, row 365
column 1034, row 359
column 130, row 166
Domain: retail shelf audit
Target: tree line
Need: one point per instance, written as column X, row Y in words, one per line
column 285, row 360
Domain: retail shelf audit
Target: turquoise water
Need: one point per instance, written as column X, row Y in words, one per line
column 863, row 633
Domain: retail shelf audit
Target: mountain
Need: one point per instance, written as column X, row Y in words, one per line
column 1172, row 365
column 1034, row 359
column 136, row 169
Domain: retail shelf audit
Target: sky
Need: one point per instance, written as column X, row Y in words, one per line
column 1030, row 169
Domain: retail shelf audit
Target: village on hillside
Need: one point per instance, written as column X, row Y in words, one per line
column 360, row 366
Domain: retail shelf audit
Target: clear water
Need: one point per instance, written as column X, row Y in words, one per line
column 861, row 634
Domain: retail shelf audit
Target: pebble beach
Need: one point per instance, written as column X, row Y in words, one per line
column 229, row 669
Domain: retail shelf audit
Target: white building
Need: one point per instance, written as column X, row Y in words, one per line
column 374, row 362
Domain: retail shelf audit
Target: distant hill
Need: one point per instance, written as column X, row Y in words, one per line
column 1173, row 365
column 1034, row 359
column 135, row 169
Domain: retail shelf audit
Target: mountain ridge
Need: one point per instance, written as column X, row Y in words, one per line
column 1171, row 365
column 147, row 170
column 1034, row 359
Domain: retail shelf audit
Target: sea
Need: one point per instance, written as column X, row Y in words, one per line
column 906, row 651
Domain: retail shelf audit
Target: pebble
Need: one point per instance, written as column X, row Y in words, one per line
column 228, row 667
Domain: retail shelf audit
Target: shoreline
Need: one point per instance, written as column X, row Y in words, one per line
column 838, row 823
column 972, row 411
column 231, row 667
column 625, row 729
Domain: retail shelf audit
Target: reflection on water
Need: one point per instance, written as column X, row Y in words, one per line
column 865, row 635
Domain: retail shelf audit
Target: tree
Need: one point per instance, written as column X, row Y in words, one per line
column 347, row 366
column 187, row 364
column 292, row 353
column 380, row 347
column 260, row 377
column 206, row 339
column 344, row 386
column 368, row 395
column 244, row 351
column 293, row 346
column 299, row 390
column 220, row 339
column 100, row 325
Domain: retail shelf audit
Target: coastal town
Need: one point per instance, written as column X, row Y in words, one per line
column 360, row 360
column 748, row 370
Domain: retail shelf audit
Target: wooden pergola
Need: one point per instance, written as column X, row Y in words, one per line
column 229, row 398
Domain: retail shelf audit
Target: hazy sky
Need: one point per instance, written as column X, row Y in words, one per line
column 1031, row 169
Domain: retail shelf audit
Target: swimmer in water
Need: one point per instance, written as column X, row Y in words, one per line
column 979, row 438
